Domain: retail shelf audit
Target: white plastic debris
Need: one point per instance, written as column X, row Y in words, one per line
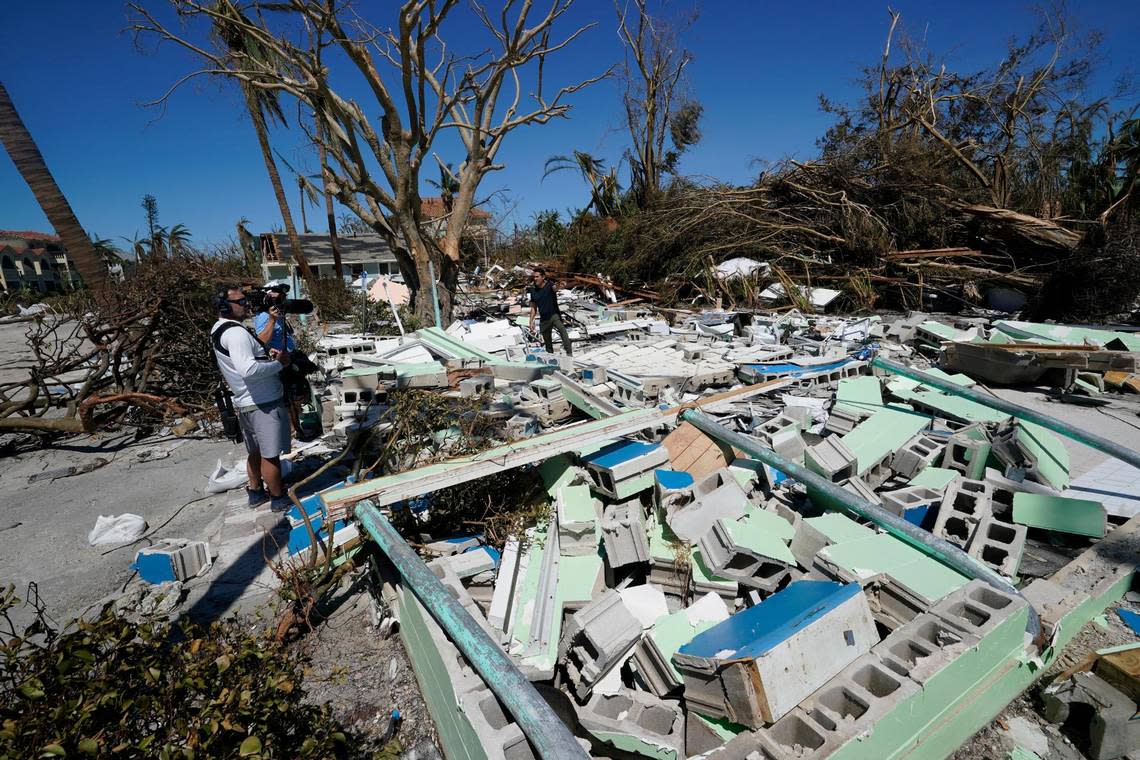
column 224, row 478
column 116, row 529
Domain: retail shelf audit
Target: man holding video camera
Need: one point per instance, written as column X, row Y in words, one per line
column 252, row 372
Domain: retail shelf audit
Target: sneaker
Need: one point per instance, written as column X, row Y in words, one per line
column 256, row 498
column 281, row 503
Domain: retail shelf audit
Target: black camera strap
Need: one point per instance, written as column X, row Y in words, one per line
column 216, row 337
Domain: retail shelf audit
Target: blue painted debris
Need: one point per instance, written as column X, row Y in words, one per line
column 791, row 369
column 673, row 479
column 753, row 632
column 620, row 451
column 172, row 560
column 1130, row 619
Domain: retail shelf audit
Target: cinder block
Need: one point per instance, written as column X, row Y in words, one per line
column 522, row 426
column 596, row 638
column 728, row 557
column 636, row 722
column 623, row 533
column 967, row 454
column 1113, row 730
column 1000, row 545
column 671, row 488
column 172, row 559
column 912, row 503
column 625, row 467
column 965, row 506
column 832, row 459
column 716, row 496
column 923, row 647
column 769, row 657
column 842, row 421
column 499, row 735
column 476, row 386
column 814, row 533
column 917, row 454
column 858, row 486
column 992, row 615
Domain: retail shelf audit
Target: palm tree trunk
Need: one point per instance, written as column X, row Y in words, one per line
column 278, row 189
column 301, row 192
column 329, row 205
column 32, row 167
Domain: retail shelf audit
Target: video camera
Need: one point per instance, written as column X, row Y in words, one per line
column 261, row 299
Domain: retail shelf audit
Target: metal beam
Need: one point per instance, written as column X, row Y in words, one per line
column 547, row 733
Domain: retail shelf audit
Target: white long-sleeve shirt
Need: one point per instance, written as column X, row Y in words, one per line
column 250, row 373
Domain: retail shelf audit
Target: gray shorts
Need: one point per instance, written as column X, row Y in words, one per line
column 267, row 430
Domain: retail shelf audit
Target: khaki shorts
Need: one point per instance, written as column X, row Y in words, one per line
column 266, row 429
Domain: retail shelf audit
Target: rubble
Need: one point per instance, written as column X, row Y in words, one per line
column 686, row 598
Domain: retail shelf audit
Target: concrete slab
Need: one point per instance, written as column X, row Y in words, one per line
column 1078, row 516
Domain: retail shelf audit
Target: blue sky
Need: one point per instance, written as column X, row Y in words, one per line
column 79, row 82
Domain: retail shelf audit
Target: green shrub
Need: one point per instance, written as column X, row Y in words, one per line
column 111, row 688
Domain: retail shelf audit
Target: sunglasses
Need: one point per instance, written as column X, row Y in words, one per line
column 239, row 301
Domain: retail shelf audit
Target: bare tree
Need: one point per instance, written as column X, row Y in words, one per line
column 655, row 107
column 420, row 86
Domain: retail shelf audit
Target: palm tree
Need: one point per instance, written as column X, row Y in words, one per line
column 178, row 240
column 322, row 153
column 30, row 163
column 604, row 187
column 448, row 184
column 263, row 107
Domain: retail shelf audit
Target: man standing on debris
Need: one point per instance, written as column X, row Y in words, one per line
column 252, row 373
column 544, row 302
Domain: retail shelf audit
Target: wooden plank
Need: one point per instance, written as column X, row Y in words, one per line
column 391, row 489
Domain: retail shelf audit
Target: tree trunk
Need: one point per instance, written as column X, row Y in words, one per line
column 32, row 167
column 329, row 205
column 278, row 189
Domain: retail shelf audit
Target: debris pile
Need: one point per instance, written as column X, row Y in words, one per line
column 686, row 596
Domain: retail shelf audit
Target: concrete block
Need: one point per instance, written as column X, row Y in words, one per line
column 851, row 703
column 471, row 563
column 1000, row 545
column 1081, row 517
column 476, row 386
column 705, row 734
column 671, row 488
column 172, row 559
column 964, row 507
column 787, row 442
column 576, row 511
column 912, row 503
column 499, row 736
column 624, row 535
column 832, row 459
column 841, row 421
column 636, row 722
column 596, row 638
column 755, row 667
column 1112, row 730
column 993, row 616
column 858, row 486
column 653, row 655
column 752, row 552
column 922, row 648
column 625, row 467
column 916, row 455
column 717, row 496
column 814, row 533
column 967, row 454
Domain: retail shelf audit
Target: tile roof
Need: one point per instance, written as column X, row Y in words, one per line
column 354, row 249
column 433, row 208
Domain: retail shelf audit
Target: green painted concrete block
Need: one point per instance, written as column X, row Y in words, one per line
column 861, row 394
column 1048, row 451
column 881, row 434
column 934, row 477
column 955, row 408
column 1082, row 517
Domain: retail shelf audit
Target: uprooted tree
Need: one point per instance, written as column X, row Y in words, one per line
column 420, row 85
column 932, row 181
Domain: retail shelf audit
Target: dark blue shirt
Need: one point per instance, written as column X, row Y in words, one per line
column 545, row 298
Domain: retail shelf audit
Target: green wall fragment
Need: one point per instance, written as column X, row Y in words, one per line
column 1082, row 517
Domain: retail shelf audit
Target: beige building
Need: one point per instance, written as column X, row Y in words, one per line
column 35, row 261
